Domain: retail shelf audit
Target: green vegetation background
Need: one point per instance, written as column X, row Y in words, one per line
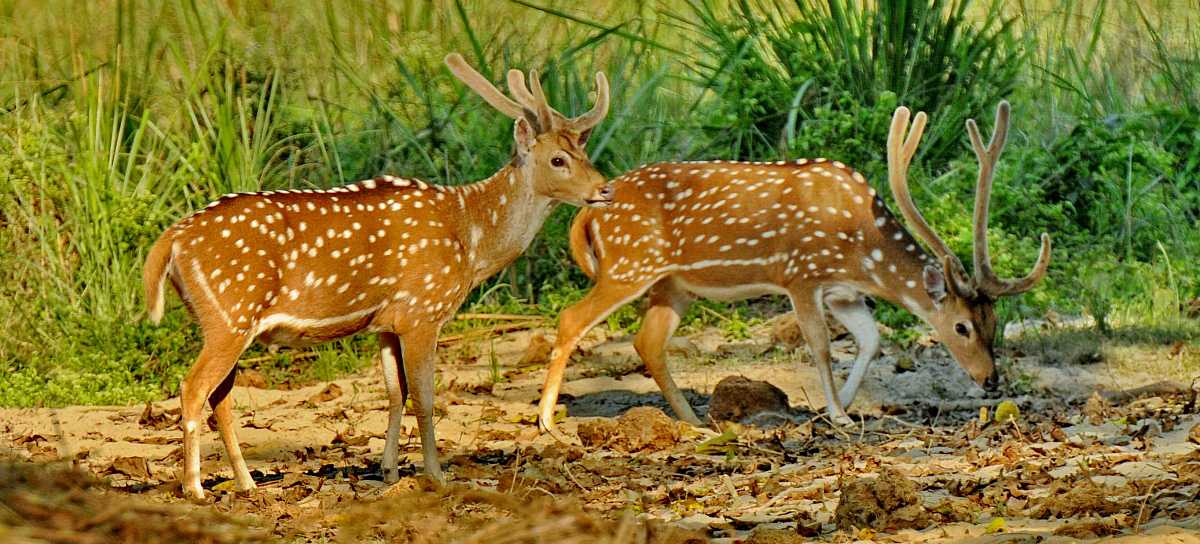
column 120, row 117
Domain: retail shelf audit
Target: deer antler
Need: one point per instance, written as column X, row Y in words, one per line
column 599, row 109
column 530, row 101
column 463, row 71
column 985, row 277
column 900, row 150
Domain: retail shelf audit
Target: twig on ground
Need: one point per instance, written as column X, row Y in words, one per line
column 509, row 327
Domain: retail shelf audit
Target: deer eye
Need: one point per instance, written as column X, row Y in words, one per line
column 558, row 162
column 962, row 330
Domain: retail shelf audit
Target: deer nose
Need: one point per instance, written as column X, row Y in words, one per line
column 992, row 383
column 606, row 192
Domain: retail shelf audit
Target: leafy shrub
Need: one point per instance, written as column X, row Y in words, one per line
column 773, row 68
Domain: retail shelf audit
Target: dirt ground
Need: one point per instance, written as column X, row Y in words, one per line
column 1093, row 452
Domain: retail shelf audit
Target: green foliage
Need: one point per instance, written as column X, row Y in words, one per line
column 109, row 136
column 776, row 65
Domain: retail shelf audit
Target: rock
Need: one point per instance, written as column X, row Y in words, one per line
column 785, row 330
column 249, row 377
column 737, row 398
column 682, row 347
column 641, row 428
column 889, row 501
column 1194, row 434
column 538, row 351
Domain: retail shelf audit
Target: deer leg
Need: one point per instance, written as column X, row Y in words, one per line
column 573, row 323
column 811, row 317
column 222, row 406
column 667, row 307
column 856, row 316
column 418, row 355
column 391, row 358
column 216, row 361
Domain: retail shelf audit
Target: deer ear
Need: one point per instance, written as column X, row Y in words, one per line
column 582, row 139
column 935, row 283
column 523, row 134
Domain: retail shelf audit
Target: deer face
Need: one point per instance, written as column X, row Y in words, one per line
column 557, row 161
column 966, row 324
column 550, row 148
column 964, row 314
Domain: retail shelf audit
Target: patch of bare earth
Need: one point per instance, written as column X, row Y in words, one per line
column 1091, row 454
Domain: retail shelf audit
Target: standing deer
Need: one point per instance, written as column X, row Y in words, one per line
column 388, row 255
column 813, row 230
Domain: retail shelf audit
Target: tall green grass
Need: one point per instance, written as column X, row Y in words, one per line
column 118, row 118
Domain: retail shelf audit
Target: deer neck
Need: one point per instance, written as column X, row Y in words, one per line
column 897, row 275
column 501, row 216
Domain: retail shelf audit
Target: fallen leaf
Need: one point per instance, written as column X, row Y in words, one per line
column 720, row 444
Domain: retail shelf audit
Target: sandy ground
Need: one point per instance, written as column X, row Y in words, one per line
column 316, row 449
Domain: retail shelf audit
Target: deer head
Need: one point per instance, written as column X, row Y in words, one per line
column 964, row 313
column 549, row 147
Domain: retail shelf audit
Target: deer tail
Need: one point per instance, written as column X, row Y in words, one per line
column 154, row 274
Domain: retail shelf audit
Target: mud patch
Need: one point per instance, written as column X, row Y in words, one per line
column 615, row 402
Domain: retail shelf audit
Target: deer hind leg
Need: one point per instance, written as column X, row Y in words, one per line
column 222, row 405
column 418, row 360
column 853, row 313
column 573, row 323
column 217, row 359
column 391, row 358
column 811, row 317
column 668, row 304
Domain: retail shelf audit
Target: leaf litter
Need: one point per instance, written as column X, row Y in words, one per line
column 1082, row 465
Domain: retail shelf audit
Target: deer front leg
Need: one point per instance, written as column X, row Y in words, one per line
column 811, row 317
column 390, row 358
column 222, row 406
column 573, row 323
column 419, row 346
column 856, row 316
column 667, row 307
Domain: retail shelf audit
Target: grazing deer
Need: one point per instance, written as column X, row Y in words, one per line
column 813, row 230
column 390, row 255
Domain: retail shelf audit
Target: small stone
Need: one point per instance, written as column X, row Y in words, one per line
column 1194, row 434
column 538, row 351
column 682, row 347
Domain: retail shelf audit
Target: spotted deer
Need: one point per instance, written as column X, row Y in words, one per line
column 389, row 255
column 812, row 230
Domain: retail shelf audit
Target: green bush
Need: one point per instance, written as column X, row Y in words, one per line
column 775, row 66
